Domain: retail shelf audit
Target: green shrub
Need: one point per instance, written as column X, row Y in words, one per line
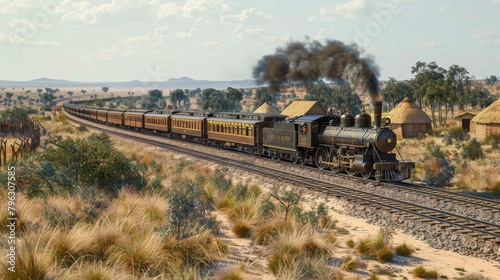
column 493, row 140
column 458, row 134
column 495, row 189
column 438, row 169
column 188, row 213
column 473, row 150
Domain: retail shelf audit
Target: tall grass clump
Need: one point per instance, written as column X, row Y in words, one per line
column 376, row 247
column 421, row 272
column 405, row 250
column 298, row 250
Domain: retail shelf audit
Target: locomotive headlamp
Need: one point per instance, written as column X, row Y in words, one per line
column 389, row 140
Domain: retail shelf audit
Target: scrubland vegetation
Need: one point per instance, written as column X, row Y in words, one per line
column 89, row 208
column 451, row 158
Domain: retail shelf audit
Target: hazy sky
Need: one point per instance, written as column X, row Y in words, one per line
column 152, row 40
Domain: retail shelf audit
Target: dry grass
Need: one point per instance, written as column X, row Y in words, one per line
column 470, row 175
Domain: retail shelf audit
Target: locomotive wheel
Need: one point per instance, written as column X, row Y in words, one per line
column 350, row 171
column 322, row 157
column 334, row 157
column 366, row 175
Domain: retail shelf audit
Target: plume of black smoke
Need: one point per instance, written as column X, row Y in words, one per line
column 308, row 62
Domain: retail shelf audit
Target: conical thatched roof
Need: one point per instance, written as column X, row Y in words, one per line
column 407, row 113
column 266, row 109
column 301, row 108
column 489, row 115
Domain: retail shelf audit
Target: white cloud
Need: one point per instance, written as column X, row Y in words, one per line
column 191, row 8
column 241, row 32
column 168, row 10
column 323, row 34
column 487, row 37
column 311, row 18
column 18, row 41
column 495, row 1
column 360, row 9
column 275, row 40
column 184, row 34
column 103, row 55
column 76, row 12
column 251, row 15
column 211, row 44
column 444, row 7
column 428, row 44
column 13, row 7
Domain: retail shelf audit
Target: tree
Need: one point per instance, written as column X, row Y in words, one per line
column 177, row 96
column 83, row 91
column 262, row 96
column 431, row 88
column 105, row 89
column 213, row 99
column 189, row 211
column 152, row 99
column 70, row 93
column 458, row 79
column 9, row 95
column 39, row 91
column 287, row 199
column 68, row 163
column 234, row 96
column 395, row 91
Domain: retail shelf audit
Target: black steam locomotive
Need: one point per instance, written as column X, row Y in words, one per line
column 339, row 143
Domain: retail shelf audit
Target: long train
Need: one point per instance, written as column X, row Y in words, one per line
column 339, row 143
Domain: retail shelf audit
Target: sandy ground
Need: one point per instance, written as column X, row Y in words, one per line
column 447, row 263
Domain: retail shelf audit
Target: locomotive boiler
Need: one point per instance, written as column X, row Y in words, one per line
column 356, row 147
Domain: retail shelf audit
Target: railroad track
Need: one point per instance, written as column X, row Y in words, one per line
column 482, row 231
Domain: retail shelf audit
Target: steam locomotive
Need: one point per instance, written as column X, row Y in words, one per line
column 339, row 143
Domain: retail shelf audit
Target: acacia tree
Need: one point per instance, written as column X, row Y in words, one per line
column 395, row 91
column 152, row 100
column 213, row 99
column 234, row 96
column 430, row 87
column 459, row 80
column 177, row 96
column 189, row 211
column 262, row 96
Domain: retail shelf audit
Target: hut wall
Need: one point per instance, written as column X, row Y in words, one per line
column 412, row 130
column 484, row 130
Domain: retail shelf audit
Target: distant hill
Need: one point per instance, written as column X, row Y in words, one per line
column 172, row 83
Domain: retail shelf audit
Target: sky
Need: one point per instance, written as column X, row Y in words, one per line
column 152, row 40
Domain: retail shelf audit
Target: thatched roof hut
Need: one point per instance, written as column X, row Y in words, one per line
column 266, row 108
column 463, row 120
column 302, row 108
column 487, row 122
column 408, row 121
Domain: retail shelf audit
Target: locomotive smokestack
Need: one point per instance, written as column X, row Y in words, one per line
column 377, row 113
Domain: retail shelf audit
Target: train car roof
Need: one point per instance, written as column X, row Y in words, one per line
column 248, row 116
column 153, row 114
column 246, row 121
column 136, row 112
column 311, row 118
column 116, row 110
column 187, row 117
